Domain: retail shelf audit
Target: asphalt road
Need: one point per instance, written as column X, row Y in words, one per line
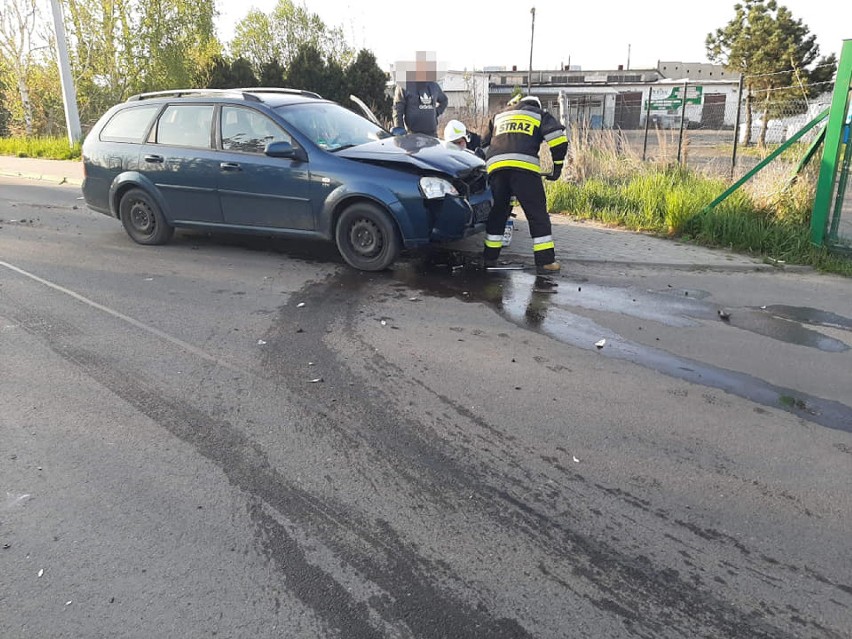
column 241, row 437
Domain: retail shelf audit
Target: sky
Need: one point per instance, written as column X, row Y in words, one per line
column 592, row 34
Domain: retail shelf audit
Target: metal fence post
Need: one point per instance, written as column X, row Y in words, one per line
column 682, row 119
column 737, row 125
column 647, row 124
column 831, row 147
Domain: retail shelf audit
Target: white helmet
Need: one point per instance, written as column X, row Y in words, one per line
column 531, row 99
column 454, row 130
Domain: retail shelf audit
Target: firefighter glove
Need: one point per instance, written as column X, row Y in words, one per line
column 554, row 174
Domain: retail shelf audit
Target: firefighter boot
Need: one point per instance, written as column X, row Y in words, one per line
column 548, row 269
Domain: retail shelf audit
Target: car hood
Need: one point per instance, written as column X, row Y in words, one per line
column 414, row 149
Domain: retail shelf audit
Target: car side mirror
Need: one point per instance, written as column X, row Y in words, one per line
column 283, row 149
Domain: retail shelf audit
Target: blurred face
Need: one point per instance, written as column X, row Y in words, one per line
column 425, row 67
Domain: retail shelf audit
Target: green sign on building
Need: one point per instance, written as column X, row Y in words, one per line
column 671, row 98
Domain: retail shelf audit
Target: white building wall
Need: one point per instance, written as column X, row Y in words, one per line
column 467, row 91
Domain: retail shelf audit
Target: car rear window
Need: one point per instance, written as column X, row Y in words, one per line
column 129, row 125
column 186, row 125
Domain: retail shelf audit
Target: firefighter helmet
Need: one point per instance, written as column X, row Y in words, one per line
column 455, row 130
column 531, row 99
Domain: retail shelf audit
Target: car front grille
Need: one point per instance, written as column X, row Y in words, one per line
column 472, row 183
column 477, row 181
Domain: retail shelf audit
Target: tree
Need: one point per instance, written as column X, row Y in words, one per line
column 224, row 74
column 263, row 38
column 4, row 109
column 271, row 74
column 774, row 52
column 18, row 19
column 308, row 70
column 367, row 80
column 170, row 36
column 120, row 47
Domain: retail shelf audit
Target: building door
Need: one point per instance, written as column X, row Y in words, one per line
column 713, row 112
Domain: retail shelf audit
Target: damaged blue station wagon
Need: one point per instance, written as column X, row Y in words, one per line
column 279, row 161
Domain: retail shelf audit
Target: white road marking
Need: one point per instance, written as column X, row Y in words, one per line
column 126, row 318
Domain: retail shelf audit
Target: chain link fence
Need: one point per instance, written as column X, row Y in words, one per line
column 719, row 127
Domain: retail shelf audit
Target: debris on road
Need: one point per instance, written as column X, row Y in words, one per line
column 41, row 572
column 600, row 343
column 576, row 461
column 724, row 315
column 300, row 305
column 260, row 342
column 316, row 380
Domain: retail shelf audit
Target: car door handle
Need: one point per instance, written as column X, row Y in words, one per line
column 153, row 158
column 230, row 166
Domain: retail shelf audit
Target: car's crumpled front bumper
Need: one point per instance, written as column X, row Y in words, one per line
column 457, row 217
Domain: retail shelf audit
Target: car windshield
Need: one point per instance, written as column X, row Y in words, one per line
column 331, row 126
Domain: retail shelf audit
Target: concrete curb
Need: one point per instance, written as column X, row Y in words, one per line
column 55, row 179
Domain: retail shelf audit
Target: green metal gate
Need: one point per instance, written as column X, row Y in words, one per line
column 831, row 222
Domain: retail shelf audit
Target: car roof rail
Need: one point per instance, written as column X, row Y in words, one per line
column 177, row 93
column 309, row 94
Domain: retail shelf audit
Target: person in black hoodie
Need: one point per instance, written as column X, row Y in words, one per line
column 418, row 100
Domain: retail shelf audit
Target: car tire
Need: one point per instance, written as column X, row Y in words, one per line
column 367, row 237
column 142, row 218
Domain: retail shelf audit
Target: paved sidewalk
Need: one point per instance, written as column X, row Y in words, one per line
column 56, row 171
column 576, row 241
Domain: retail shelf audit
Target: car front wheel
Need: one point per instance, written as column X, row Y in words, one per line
column 367, row 237
column 142, row 218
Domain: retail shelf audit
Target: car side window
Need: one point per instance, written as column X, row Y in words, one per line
column 248, row 131
column 186, row 125
column 129, row 125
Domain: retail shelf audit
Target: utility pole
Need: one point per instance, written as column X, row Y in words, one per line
column 628, row 56
column 532, row 35
column 69, row 94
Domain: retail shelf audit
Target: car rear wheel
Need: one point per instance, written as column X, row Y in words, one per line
column 367, row 237
column 142, row 218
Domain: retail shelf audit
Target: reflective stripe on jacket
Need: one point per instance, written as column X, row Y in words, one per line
column 515, row 135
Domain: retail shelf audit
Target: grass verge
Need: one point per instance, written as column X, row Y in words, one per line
column 769, row 217
column 40, row 147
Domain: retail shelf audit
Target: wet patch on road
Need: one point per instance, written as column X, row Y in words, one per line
column 542, row 304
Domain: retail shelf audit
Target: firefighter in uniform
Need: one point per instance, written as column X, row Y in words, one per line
column 513, row 139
